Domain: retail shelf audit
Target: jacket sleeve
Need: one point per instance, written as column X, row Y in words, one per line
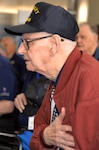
column 42, row 120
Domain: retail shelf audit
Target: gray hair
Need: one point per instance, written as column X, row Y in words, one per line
column 93, row 28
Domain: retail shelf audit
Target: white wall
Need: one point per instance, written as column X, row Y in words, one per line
column 93, row 17
column 22, row 16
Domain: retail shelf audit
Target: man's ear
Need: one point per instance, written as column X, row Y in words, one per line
column 96, row 37
column 55, row 41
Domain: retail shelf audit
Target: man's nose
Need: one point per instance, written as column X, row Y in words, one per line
column 21, row 49
column 78, row 40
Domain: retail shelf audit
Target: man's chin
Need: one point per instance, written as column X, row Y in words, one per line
column 28, row 68
column 80, row 48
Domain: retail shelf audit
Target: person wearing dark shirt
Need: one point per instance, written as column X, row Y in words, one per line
column 8, row 91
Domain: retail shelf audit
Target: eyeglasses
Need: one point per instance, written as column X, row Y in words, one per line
column 27, row 41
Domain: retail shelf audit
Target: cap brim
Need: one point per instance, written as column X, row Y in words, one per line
column 20, row 29
column 30, row 110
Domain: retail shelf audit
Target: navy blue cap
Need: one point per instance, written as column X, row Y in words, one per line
column 48, row 18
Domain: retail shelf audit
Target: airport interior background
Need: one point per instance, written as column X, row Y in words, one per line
column 14, row 12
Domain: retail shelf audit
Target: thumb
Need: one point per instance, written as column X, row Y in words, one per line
column 61, row 115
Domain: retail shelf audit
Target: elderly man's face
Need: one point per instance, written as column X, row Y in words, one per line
column 37, row 57
column 86, row 39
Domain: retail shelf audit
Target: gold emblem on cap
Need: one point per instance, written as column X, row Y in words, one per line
column 29, row 19
column 36, row 10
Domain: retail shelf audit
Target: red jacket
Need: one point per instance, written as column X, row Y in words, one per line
column 77, row 90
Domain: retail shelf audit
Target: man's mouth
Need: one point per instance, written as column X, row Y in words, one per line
column 26, row 60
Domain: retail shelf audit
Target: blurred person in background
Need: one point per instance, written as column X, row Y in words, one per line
column 8, row 91
column 28, row 104
column 21, row 100
column 87, row 39
column 16, row 60
column 18, row 63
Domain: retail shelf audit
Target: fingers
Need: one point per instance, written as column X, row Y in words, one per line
column 58, row 134
column 61, row 116
column 60, row 119
column 66, row 128
column 20, row 102
column 69, row 148
column 63, row 138
column 68, row 140
column 69, row 137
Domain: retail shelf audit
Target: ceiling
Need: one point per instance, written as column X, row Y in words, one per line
column 12, row 6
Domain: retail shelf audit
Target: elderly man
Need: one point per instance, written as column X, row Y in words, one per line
column 87, row 39
column 71, row 104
